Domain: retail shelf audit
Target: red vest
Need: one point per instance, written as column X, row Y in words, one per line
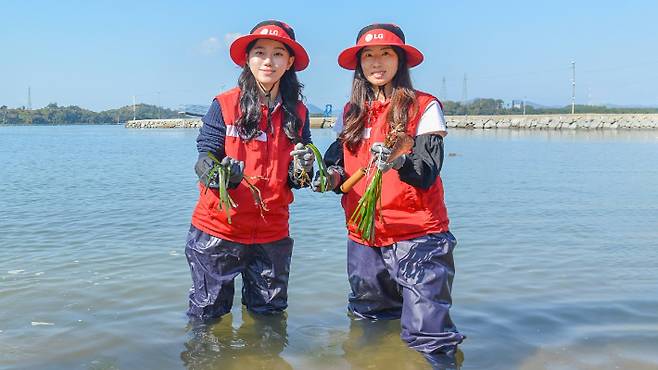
column 267, row 157
column 408, row 212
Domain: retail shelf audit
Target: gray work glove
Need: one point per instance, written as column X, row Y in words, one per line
column 333, row 180
column 202, row 168
column 236, row 171
column 381, row 154
column 303, row 158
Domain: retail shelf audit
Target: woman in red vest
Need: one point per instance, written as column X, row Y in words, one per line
column 406, row 270
column 258, row 131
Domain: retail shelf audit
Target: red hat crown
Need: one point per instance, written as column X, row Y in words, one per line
column 274, row 30
column 379, row 34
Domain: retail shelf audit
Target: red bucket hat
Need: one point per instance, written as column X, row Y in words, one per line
column 377, row 35
column 273, row 30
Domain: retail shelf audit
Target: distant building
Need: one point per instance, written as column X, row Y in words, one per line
column 517, row 104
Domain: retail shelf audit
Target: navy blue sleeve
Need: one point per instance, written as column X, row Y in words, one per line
column 212, row 132
column 210, row 140
column 334, row 154
column 335, row 160
column 306, row 129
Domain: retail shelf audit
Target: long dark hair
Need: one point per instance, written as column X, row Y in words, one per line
column 403, row 102
column 291, row 92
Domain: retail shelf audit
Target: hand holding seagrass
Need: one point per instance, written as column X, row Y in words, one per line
column 303, row 158
column 366, row 210
column 387, row 158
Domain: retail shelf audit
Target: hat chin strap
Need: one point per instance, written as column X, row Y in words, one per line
column 381, row 90
column 267, row 92
column 268, row 96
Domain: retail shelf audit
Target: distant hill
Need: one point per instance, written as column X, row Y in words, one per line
column 195, row 108
column 626, row 106
column 53, row 114
column 540, row 106
column 486, row 106
column 313, row 109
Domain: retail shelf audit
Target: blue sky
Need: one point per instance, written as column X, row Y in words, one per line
column 98, row 54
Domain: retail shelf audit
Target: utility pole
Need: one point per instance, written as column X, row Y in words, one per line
column 134, row 109
column 29, row 105
column 465, row 94
column 444, row 90
column 573, row 88
column 524, row 99
column 159, row 115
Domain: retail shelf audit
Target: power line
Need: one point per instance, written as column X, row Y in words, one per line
column 543, row 72
column 604, row 69
column 516, row 74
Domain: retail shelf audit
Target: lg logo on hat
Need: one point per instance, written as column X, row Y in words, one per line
column 374, row 36
column 266, row 31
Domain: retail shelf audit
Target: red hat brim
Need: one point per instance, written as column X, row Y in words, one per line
column 238, row 49
column 347, row 58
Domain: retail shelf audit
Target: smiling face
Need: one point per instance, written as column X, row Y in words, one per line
column 379, row 64
column 268, row 61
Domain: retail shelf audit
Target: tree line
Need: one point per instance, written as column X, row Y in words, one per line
column 53, row 114
column 497, row 107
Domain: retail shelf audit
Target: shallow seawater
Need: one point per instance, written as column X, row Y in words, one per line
column 558, row 244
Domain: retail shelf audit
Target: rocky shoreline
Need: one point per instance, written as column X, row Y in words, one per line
column 316, row 122
column 558, row 122
column 539, row 122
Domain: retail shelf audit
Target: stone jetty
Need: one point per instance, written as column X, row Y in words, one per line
column 316, row 122
column 539, row 122
column 557, row 122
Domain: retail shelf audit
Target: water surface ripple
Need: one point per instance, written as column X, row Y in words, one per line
column 557, row 231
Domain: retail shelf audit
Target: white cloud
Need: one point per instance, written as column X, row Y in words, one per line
column 230, row 37
column 210, row 45
column 213, row 44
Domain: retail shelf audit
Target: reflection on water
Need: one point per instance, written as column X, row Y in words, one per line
column 259, row 342
column 377, row 345
column 256, row 343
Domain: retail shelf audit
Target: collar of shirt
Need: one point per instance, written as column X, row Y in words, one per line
column 277, row 102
